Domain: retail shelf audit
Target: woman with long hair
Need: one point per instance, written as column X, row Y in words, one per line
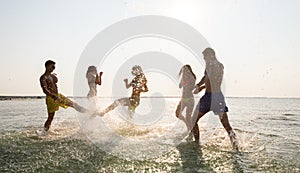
column 187, row 102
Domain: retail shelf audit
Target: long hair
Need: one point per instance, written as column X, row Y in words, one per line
column 90, row 69
column 189, row 69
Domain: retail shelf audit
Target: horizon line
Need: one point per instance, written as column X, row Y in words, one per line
column 9, row 97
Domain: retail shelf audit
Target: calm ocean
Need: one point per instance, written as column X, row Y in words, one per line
column 268, row 131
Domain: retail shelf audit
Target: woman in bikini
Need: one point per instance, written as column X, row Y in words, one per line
column 187, row 83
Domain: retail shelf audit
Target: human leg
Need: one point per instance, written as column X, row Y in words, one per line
column 178, row 109
column 66, row 102
column 79, row 108
column 188, row 115
column 122, row 102
column 201, row 109
column 49, row 121
column 195, row 129
column 178, row 113
column 52, row 107
column 225, row 122
column 109, row 108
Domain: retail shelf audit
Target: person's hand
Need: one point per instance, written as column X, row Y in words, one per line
column 196, row 90
column 56, row 99
column 126, row 80
column 101, row 73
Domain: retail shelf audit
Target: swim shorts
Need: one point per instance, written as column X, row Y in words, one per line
column 212, row 102
column 52, row 106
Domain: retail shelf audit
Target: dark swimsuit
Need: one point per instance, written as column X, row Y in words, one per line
column 212, row 102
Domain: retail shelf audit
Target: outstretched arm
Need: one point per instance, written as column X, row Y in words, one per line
column 202, row 81
column 200, row 85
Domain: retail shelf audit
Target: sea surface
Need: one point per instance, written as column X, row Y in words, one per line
column 151, row 140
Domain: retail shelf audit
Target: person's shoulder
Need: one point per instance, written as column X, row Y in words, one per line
column 42, row 77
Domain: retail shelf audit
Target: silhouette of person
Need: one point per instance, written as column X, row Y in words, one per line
column 48, row 82
column 93, row 80
column 138, row 84
column 187, row 83
column 213, row 99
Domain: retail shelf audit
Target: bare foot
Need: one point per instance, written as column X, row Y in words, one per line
column 233, row 141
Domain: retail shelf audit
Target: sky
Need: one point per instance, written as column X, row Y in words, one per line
column 256, row 40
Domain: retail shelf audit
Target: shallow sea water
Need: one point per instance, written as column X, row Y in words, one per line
column 153, row 140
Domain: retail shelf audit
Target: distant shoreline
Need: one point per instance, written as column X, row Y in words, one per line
column 42, row 97
column 20, row 97
column 2, row 98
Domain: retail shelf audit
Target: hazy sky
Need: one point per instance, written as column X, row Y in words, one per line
column 256, row 40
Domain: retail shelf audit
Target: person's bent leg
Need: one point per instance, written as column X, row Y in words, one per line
column 48, row 121
column 109, row 108
column 178, row 109
column 122, row 101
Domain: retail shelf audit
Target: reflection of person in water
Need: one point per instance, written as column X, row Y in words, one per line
column 213, row 99
column 93, row 80
column 187, row 102
column 138, row 84
column 54, row 100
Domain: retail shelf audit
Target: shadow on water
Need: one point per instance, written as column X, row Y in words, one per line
column 191, row 157
column 210, row 158
column 236, row 162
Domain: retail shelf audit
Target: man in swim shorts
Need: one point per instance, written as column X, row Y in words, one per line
column 213, row 99
column 54, row 100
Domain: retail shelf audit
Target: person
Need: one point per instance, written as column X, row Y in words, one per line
column 213, row 99
column 93, row 80
column 138, row 84
column 48, row 82
column 187, row 83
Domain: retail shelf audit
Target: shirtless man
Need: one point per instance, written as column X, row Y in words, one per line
column 213, row 99
column 138, row 84
column 48, row 82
